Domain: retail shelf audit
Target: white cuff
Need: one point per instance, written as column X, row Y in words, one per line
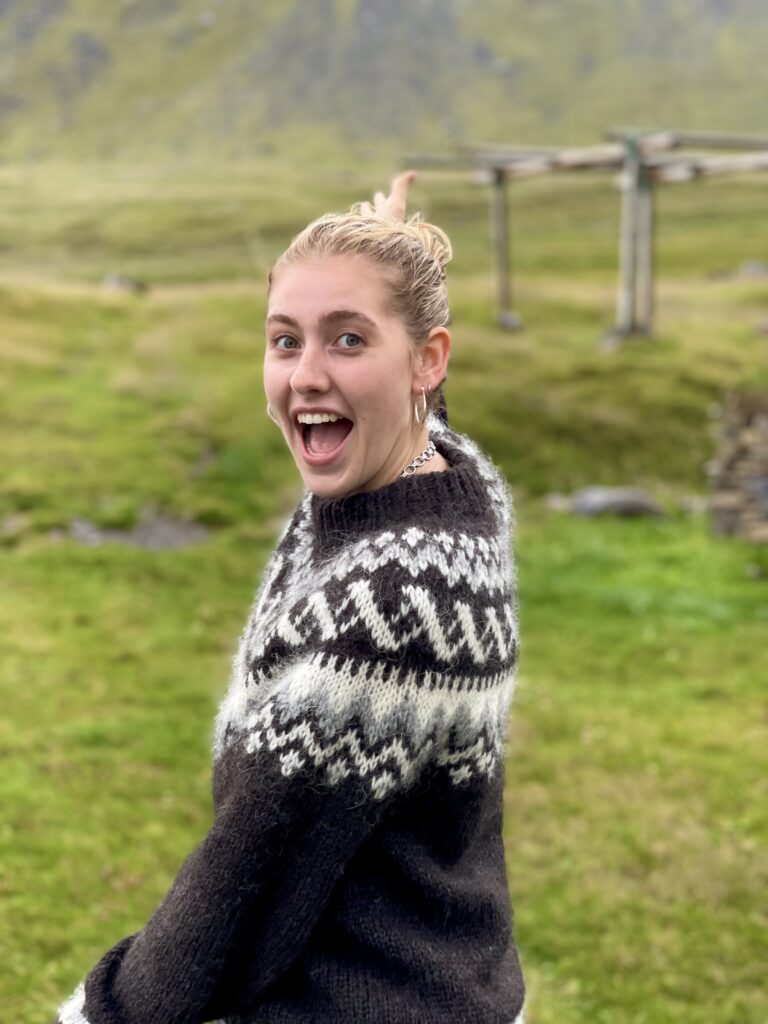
column 72, row 1011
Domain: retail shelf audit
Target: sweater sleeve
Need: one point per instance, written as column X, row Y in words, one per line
column 327, row 727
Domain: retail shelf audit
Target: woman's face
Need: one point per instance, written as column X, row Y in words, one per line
column 333, row 347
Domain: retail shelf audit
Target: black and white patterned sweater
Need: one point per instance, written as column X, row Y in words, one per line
column 354, row 871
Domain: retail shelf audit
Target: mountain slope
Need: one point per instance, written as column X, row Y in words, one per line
column 169, row 78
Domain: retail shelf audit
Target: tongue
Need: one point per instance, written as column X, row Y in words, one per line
column 324, row 437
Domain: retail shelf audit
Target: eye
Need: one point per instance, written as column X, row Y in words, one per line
column 349, row 340
column 284, row 342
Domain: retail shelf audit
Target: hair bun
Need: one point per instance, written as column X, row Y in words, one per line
column 432, row 238
column 429, row 236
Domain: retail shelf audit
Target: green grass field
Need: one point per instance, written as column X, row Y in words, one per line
column 636, row 811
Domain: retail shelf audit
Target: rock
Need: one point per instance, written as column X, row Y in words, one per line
column 153, row 531
column 158, row 531
column 123, row 283
column 725, row 512
column 86, row 532
column 620, row 501
column 757, row 533
column 738, row 475
column 510, row 321
column 752, row 270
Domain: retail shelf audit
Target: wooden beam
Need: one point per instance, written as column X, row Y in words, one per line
column 440, row 161
column 590, row 156
column 675, row 139
column 686, row 168
column 520, row 162
column 529, row 167
column 719, row 140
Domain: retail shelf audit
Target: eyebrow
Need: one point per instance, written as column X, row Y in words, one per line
column 326, row 319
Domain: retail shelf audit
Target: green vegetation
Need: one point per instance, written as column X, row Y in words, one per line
column 162, row 79
column 635, row 819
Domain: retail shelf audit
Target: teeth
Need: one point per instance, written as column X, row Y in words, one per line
column 318, row 417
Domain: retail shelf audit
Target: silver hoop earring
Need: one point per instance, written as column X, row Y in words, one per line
column 420, row 414
column 270, row 413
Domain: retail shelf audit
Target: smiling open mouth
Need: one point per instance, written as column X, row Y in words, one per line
column 322, row 441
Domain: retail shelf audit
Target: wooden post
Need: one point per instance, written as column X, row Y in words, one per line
column 630, row 183
column 646, row 225
column 500, row 234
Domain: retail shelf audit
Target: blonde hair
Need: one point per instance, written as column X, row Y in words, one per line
column 413, row 252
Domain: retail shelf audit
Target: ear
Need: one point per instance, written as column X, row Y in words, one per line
column 431, row 360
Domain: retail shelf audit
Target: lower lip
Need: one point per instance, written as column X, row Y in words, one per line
column 322, row 458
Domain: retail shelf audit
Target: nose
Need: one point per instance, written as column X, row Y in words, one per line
column 310, row 373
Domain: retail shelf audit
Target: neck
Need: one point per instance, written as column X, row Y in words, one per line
column 437, row 464
column 399, row 458
column 459, row 492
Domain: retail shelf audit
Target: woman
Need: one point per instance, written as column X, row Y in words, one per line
column 355, row 870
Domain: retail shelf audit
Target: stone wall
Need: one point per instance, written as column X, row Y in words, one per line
column 738, row 474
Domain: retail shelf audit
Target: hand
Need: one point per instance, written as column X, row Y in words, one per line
column 391, row 207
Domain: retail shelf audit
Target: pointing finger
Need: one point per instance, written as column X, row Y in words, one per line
column 398, row 196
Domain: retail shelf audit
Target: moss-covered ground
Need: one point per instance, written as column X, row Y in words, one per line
column 635, row 818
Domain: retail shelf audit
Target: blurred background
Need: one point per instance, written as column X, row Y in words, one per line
column 155, row 157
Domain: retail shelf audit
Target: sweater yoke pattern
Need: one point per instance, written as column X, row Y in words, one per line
column 392, row 647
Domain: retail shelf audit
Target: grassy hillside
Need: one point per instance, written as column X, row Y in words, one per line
column 635, row 816
column 159, row 78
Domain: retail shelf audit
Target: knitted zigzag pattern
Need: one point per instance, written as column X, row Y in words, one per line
column 400, row 648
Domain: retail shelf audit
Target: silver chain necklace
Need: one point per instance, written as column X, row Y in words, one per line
column 425, row 456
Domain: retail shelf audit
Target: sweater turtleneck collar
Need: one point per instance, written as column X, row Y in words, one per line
column 455, row 492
